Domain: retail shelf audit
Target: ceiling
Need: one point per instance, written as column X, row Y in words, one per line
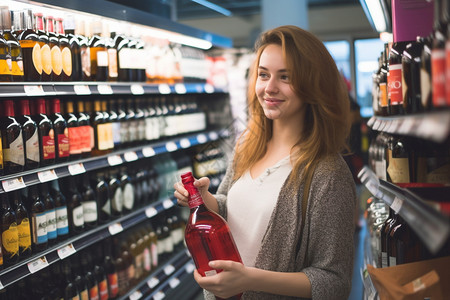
column 188, row 9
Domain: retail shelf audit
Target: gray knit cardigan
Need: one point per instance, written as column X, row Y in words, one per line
column 325, row 250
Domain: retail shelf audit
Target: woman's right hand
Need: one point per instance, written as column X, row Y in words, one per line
column 182, row 194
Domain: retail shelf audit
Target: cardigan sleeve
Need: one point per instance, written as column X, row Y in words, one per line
column 329, row 257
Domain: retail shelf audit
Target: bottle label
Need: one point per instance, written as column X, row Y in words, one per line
column 24, row 234
column 195, row 200
column 102, row 58
column 117, row 200
column 124, row 132
column 5, row 64
column 93, row 293
column 398, row 169
column 84, row 295
column 48, row 145
column 51, row 224
column 107, row 207
column 103, row 289
column 85, row 54
column 46, row 58
column 66, row 56
column 39, row 227
column 394, row 81
column 15, row 152
column 63, row 144
column 35, row 53
column 62, row 223
column 154, row 249
column 128, row 196
column 104, row 135
column 116, row 133
column 85, row 140
column 10, row 240
column 392, row 261
column 78, row 218
column 112, row 63
column 447, row 71
column 32, row 147
column 17, row 64
column 1, row 153
column 147, row 259
column 56, row 56
column 90, row 211
column 438, row 77
column 74, row 140
column 113, row 285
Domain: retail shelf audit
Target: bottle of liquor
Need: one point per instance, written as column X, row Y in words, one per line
column 62, row 146
column 55, row 50
column 70, row 288
column 75, row 136
column 9, row 233
column 400, row 163
column 79, row 279
column 140, row 118
column 122, row 119
column 38, row 215
column 127, row 191
column 86, row 130
column 5, row 61
column 115, row 123
column 425, row 75
column 14, row 45
column 123, row 57
column 66, row 53
column 132, row 123
column 85, row 52
column 438, row 57
column 99, row 54
column 408, row 245
column 90, row 210
column 99, row 272
column 62, row 222
column 46, row 56
column 109, row 142
column 75, row 49
column 74, row 207
column 46, row 134
column 116, row 193
column 30, row 136
column 395, row 78
column 23, row 225
column 100, row 130
column 112, row 55
column 50, row 213
column 110, row 269
column 12, row 140
column 203, row 243
column 86, row 272
column 102, row 195
column 31, row 49
column 411, row 62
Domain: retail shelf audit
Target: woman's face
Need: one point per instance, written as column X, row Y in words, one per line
column 273, row 89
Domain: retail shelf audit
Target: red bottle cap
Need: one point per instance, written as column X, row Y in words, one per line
column 41, row 106
column 25, row 107
column 9, row 108
column 56, row 107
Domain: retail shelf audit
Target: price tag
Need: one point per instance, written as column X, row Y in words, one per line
column 1, row 286
column 82, row 90
column 148, row 152
column 180, row 88
column 213, row 135
column 397, row 204
column 13, row 184
column 115, row 228
column 104, row 89
column 185, row 143
column 114, row 160
column 130, row 156
column 76, row 169
column 167, row 203
column 171, row 146
column 407, row 125
column 164, row 89
column 66, row 251
column 152, row 282
column 45, row 176
column 136, row 295
column 201, row 138
column 137, row 89
column 34, row 90
column 190, row 268
column 169, row 270
column 37, row 264
column 209, row 88
column 159, row 295
column 174, row 282
column 151, row 212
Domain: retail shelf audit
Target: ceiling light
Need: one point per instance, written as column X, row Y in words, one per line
column 376, row 14
column 214, row 7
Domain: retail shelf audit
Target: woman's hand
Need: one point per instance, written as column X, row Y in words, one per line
column 231, row 281
column 182, row 194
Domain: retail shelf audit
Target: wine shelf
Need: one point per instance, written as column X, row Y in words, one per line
column 433, row 126
column 432, row 227
column 47, row 89
column 70, row 246
column 27, row 178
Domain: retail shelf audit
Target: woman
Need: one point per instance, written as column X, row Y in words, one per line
column 299, row 122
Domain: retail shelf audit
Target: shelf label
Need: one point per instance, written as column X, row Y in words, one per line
column 34, row 90
column 201, row 138
column 82, row 90
column 190, row 268
column 148, row 152
column 114, row 160
column 130, row 156
column 174, row 282
column 159, row 295
column 115, row 228
column 169, row 270
column 151, row 212
column 185, row 143
column 397, row 204
column 13, row 184
column 45, row 176
column 136, row 295
column 171, row 146
column 76, row 169
column 167, row 203
column 137, row 89
column 152, row 282
column 213, row 135
column 66, row 251
column 180, row 88
column 164, row 88
column 209, row 88
column 37, row 264
column 1, row 286
column 104, row 89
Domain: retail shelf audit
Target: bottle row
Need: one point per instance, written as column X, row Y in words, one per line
column 44, row 48
column 414, row 76
column 42, row 132
column 392, row 240
column 107, row 269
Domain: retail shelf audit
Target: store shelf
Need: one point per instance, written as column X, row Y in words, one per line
column 70, row 246
column 432, row 227
column 23, row 179
column 433, row 126
column 52, row 89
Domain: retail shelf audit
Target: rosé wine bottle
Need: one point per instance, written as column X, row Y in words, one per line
column 207, row 234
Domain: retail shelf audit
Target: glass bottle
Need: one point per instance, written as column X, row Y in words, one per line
column 115, row 123
column 395, row 78
column 127, row 191
column 23, row 225
column 5, row 61
column 86, row 272
column 86, row 130
column 99, row 54
column 89, row 201
column 103, row 197
column 112, row 55
column 30, row 136
column 78, row 278
column 116, row 193
column 55, row 50
column 110, row 269
column 132, row 123
column 122, row 119
column 140, row 120
column 50, row 213
column 38, row 216
column 109, row 142
column 62, row 221
column 123, row 57
column 62, row 145
column 9, row 233
column 66, row 52
column 85, row 52
column 74, row 207
column 31, row 49
column 46, row 56
column 69, row 286
column 74, row 131
column 400, row 163
column 99, row 272
column 438, row 57
column 17, row 73
column 46, row 134
column 12, row 140
column 100, row 130
column 75, row 48
column 411, row 61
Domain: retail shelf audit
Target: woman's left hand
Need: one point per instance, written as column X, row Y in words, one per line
column 231, row 281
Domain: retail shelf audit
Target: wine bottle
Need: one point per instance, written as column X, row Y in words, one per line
column 85, row 52
column 46, row 56
column 69, row 286
column 5, row 61
column 99, row 271
column 30, row 136
column 66, row 53
column 122, row 119
column 99, row 54
column 438, row 57
column 79, row 279
column 89, row 203
column 103, row 197
column 12, row 140
column 86, row 130
column 109, row 140
column 75, row 49
column 115, row 123
column 31, row 49
column 55, row 50
column 46, row 134
column 14, row 45
column 74, row 131
column 23, row 225
column 207, row 234
column 127, row 191
column 395, row 78
column 411, row 61
column 110, row 269
column 62, row 146
column 62, row 222
column 38, row 220
column 9, row 233
column 132, row 123
column 116, row 193
column 50, row 213
column 86, row 272
column 112, row 55
column 74, row 207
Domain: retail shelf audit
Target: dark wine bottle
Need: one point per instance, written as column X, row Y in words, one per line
column 38, row 215
column 62, row 146
column 74, row 207
column 62, row 222
column 102, row 195
column 9, row 233
column 46, row 134
column 30, row 136
column 89, row 201
column 74, row 131
column 23, row 225
column 31, row 50
column 50, row 213
column 14, row 45
column 12, row 140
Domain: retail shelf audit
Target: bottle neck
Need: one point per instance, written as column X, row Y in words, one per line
column 56, row 106
column 59, row 26
column 25, row 107
column 9, row 108
column 49, row 25
column 195, row 198
column 39, row 22
column 69, row 107
column 41, row 107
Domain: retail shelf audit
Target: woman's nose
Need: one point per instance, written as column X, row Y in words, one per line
column 271, row 86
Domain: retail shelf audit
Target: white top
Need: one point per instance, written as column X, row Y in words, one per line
column 250, row 204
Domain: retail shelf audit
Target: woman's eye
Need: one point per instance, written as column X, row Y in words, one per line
column 263, row 75
column 285, row 77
